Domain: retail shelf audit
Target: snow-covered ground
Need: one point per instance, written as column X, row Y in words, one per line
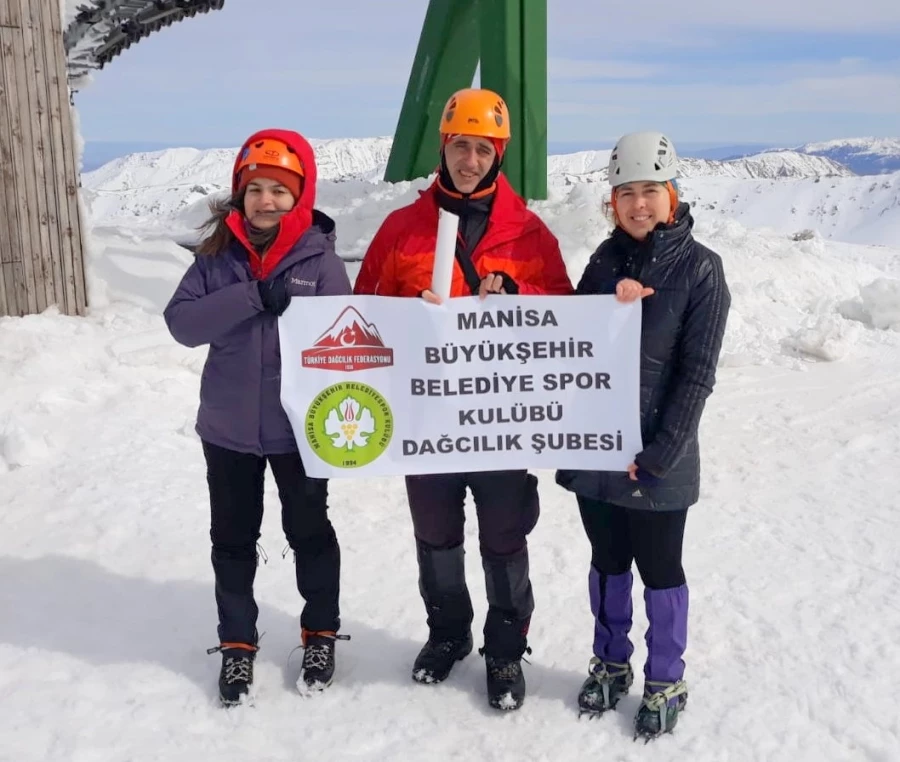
column 107, row 593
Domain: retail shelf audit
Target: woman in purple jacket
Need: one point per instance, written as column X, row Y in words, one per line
column 266, row 245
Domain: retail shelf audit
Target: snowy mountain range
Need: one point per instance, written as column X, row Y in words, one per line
column 590, row 166
column 335, row 160
column 162, row 183
column 865, row 156
column 787, row 191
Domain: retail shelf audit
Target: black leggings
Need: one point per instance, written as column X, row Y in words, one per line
column 652, row 539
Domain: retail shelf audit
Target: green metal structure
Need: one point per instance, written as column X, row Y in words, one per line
column 509, row 39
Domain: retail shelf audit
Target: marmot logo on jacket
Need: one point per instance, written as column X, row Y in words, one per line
column 303, row 282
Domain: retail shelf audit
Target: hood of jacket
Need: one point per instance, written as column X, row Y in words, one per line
column 294, row 223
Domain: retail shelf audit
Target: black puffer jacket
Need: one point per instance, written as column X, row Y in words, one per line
column 681, row 336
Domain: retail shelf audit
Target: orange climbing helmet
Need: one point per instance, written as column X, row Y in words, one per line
column 475, row 112
column 269, row 152
column 272, row 158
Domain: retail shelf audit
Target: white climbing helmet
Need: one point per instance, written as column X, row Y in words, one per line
column 642, row 156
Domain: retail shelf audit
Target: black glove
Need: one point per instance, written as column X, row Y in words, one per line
column 509, row 283
column 274, row 295
column 646, row 478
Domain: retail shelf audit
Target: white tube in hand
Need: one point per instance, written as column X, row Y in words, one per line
column 444, row 253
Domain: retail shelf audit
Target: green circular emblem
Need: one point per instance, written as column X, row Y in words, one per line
column 349, row 425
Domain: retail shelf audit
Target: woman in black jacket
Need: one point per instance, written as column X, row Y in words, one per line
column 639, row 515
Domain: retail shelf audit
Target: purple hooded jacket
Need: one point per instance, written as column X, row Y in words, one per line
column 217, row 303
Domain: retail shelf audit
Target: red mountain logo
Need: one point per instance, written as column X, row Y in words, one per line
column 349, row 344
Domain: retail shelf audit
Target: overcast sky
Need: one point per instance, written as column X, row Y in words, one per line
column 705, row 71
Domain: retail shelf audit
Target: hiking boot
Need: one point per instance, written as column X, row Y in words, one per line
column 505, row 683
column 608, row 682
column 437, row 657
column 318, row 658
column 659, row 710
column 236, row 674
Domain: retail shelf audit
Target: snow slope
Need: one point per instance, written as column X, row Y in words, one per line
column 107, row 590
column 858, row 209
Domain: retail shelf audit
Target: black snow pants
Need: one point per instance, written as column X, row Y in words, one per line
column 236, row 501
column 507, row 506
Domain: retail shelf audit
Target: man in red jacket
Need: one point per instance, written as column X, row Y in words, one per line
column 504, row 248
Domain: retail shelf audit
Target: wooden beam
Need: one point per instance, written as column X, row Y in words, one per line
column 40, row 221
column 10, row 239
column 35, row 141
column 63, row 208
column 68, row 170
column 9, row 13
column 13, row 53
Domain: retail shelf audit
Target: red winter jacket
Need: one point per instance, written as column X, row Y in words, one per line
column 400, row 259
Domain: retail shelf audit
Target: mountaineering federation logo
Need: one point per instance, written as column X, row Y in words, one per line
column 349, row 425
column 349, row 344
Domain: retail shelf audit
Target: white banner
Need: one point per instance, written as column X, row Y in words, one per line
column 377, row 385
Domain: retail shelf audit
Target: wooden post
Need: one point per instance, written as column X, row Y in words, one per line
column 41, row 243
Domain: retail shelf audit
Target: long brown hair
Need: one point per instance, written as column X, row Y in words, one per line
column 220, row 236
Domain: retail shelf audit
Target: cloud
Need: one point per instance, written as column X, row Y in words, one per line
column 865, row 93
column 662, row 20
column 574, row 70
column 342, row 68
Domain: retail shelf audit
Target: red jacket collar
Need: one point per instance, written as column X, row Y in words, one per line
column 509, row 216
